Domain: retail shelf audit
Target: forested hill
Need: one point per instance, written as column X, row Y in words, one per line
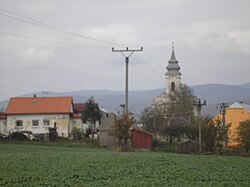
column 138, row 100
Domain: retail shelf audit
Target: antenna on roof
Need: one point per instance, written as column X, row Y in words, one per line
column 44, row 93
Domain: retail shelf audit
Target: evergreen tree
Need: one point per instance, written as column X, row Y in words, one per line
column 92, row 114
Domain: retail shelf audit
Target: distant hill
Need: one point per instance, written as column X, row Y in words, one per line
column 215, row 93
column 138, row 100
column 247, row 85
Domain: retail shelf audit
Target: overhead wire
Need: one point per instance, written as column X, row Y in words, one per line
column 146, row 74
column 50, row 27
column 148, row 66
column 28, row 20
column 49, row 41
column 149, row 77
column 153, row 59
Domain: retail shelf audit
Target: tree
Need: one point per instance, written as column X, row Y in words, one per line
column 151, row 120
column 121, row 130
column 178, row 130
column 222, row 134
column 243, row 134
column 209, row 134
column 181, row 101
column 92, row 113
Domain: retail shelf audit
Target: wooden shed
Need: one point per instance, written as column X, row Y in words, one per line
column 141, row 139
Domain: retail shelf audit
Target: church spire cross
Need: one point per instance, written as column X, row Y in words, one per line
column 173, row 54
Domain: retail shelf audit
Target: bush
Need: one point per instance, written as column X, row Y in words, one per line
column 76, row 134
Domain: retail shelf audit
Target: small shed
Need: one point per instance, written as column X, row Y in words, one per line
column 141, row 139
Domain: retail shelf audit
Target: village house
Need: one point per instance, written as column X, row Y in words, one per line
column 79, row 121
column 107, row 121
column 140, row 139
column 38, row 114
column 235, row 113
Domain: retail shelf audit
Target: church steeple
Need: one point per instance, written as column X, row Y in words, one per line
column 173, row 67
column 173, row 74
column 173, row 55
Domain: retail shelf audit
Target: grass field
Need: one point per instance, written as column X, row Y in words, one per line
column 41, row 165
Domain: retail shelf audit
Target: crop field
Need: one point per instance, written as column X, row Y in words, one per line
column 41, row 165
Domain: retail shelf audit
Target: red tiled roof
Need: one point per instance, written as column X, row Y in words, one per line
column 40, row 105
column 79, row 107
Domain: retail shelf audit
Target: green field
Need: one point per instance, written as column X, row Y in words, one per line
column 41, row 165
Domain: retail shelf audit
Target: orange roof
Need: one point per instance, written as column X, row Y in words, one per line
column 40, row 105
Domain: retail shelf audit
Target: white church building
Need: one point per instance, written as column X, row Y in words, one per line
column 173, row 82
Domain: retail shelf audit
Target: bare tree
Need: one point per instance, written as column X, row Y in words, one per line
column 121, row 131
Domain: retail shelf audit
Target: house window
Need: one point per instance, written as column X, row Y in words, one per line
column 35, row 123
column 46, row 122
column 19, row 124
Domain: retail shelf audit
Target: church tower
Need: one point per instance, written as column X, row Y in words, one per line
column 173, row 75
column 173, row 82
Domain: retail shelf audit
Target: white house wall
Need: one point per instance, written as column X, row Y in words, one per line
column 3, row 126
column 107, row 121
column 62, row 121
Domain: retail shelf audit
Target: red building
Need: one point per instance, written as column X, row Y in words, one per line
column 141, row 139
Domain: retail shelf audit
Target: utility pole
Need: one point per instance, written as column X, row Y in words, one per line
column 124, row 52
column 223, row 106
column 198, row 105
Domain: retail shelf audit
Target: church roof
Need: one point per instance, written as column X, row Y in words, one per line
column 173, row 59
column 173, row 67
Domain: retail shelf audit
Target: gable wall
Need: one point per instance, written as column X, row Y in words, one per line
column 234, row 116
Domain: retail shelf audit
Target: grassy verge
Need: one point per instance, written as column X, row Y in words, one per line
column 85, row 143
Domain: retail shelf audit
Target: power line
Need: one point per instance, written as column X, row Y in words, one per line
column 49, row 41
column 152, row 58
column 144, row 73
column 50, row 27
column 150, row 68
column 28, row 20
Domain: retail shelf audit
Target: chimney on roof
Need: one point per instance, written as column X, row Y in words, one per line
column 241, row 102
column 34, row 95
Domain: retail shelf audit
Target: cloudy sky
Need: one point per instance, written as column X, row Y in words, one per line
column 65, row 45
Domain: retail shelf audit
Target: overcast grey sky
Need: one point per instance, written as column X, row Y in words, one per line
column 212, row 43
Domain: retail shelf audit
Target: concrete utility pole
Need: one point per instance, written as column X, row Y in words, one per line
column 198, row 105
column 124, row 52
column 223, row 107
